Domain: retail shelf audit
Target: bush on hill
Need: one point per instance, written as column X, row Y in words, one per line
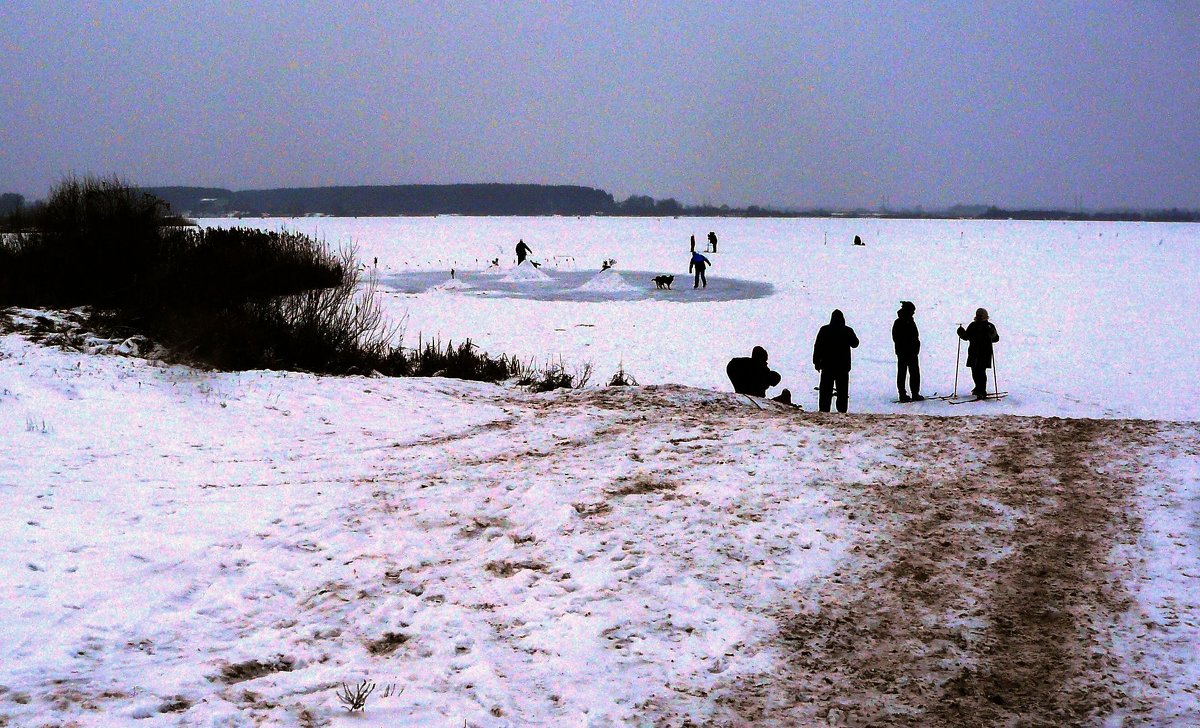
column 226, row 298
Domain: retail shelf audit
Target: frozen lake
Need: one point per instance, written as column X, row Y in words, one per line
column 1095, row 319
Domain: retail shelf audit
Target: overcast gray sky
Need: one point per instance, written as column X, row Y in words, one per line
column 787, row 104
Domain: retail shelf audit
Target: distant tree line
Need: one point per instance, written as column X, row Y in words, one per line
column 532, row 199
column 387, row 200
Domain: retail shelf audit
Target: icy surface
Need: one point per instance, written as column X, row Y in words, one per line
column 1095, row 319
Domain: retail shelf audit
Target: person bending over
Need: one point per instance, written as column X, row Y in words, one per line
column 698, row 264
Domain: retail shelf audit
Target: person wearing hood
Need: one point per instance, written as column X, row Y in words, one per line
column 907, row 339
column 751, row 375
column 981, row 333
column 831, row 357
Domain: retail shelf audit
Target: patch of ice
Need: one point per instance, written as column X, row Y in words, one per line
column 454, row 284
column 526, row 274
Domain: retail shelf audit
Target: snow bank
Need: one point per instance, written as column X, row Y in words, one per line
column 608, row 281
column 525, row 274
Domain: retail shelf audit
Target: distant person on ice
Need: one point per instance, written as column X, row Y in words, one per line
column 831, row 357
column 693, row 243
column 908, row 346
column 858, row 240
column 698, row 264
column 981, row 334
column 712, row 241
column 522, row 251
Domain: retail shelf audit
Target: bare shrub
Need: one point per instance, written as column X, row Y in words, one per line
column 355, row 698
column 555, row 376
column 622, row 378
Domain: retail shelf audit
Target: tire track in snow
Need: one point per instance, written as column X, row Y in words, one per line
column 988, row 595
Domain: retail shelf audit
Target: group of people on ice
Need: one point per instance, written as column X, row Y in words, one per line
column 832, row 358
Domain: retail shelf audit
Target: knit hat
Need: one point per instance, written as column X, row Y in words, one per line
column 981, row 314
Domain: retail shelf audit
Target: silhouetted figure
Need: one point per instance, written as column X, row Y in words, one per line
column 908, row 346
column 751, row 375
column 981, row 334
column 858, row 241
column 831, row 357
column 712, row 241
column 522, row 251
column 698, row 264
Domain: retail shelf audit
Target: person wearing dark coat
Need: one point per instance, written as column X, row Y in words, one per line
column 831, row 357
column 907, row 339
column 712, row 241
column 981, row 334
column 698, row 264
column 522, row 251
column 750, row 374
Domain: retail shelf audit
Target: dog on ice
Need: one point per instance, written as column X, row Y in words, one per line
column 663, row 281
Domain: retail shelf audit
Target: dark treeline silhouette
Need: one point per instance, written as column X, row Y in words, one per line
column 1168, row 215
column 533, row 199
column 381, row 200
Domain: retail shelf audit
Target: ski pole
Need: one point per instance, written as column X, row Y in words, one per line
column 995, row 374
column 957, row 359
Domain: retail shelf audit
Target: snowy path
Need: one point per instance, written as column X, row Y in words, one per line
column 993, row 591
column 186, row 548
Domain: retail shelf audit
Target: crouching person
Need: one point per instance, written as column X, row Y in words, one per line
column 751, row 375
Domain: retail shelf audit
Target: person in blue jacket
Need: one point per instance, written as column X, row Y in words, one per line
column 698, row 264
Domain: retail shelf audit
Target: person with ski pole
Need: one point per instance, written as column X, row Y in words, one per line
column 831, row 357
column 980, row 335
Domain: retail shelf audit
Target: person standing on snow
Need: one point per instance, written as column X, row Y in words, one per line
column 522, row 251
column 712, row 242
column 699, row 262
column 831, row 357
column 981, row 333
column 907, row 339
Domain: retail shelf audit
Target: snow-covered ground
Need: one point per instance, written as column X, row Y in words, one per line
column 226, row 549
column 1095, row 319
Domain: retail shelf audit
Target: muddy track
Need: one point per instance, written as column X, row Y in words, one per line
column 986, row 597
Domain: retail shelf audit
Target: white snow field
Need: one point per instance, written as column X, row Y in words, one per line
column 192, row 548
column 1095, row 319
